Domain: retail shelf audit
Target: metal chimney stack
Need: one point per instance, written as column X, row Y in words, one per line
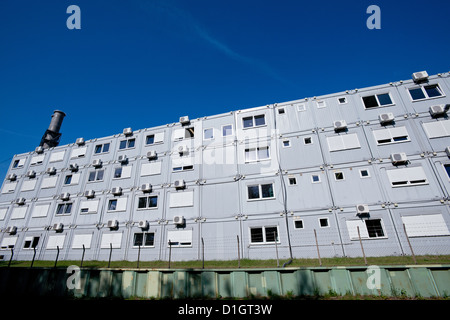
column 51, row 136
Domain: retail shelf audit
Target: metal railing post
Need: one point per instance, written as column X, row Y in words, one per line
column 34, row 256
column 82, row 257
column 110, row 254
column 410, row 246
column 57, row 256
column 10, row 259
column 239, row 252
column 170, row 251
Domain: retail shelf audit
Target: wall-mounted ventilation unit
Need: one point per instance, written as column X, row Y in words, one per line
column 20, row 201
column 184, row 120
column 58, row 227
column 31, row 174
column 73, row 167
column 398, row 158
column 65, row 196
column 89, row 194
column 146, row 187
column 420, row 76
column 386, row 117
column 113, row 224
column 117, row 191
column 143, row 224
column 123, row 158
column 439, row 110
column 362, row 209
column 80, row 141
column 51, row 170
column 39, row 149
column 11, row 230
column 183, row 149
column 97, row 163
column 152, row 154
column 178, row 220
column 180, row 184
column 11, row 177
column 127, row 131
column 340, row 125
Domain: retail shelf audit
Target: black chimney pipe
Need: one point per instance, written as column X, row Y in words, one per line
column 52, row 135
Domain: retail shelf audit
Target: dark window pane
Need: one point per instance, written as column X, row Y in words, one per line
column 433, row 91
column 248, row 122
column 323, row 222
column 98, row 148
column 100, row 175
column 68, row 208
column 91, row 176
column 153, row 202
column 271, row 234
column 374, row 228
column 149, row 239
column 253, row 192
column 416, row 94
column 138, row 239
column 35, row 242
column 260, row 120
column 142, row 203
column 151, row 139
column 123, row 144
column 106, row 147
column 131, row 143
column 68, row 179
column 447, row 169
column 267, row 190
column 60, row 208
column 256, row 235
column 298, row 224
column 118, row 172
column 370, row 102
column 112, row 205
column 384, row 99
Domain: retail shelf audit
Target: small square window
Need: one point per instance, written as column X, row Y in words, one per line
column 281, row 111
column 118, row 172
column 112, row 205
column 307, row 140
column 227, row 130
column 447, row 169
column 150, row 139
column 298, row 224
column 292, row 181
column 433, row 91
column 253, row 192
column 301, row 107
column 260, row 120
column 208, row 134
column 323, row 222
column 364, row 173
column 342, row 100
column 321, row 104
column 68, row 179
column 339, row 175
column 286, row 143
column 315, row 178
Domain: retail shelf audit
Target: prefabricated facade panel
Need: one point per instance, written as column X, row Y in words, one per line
column 298, row 177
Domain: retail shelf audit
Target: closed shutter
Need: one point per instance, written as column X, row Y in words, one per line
column 437, row 129
column 57, row 156
column 82, row 239
column 77, row 153
column 111, row 238
column 148, row 169
column 40, row 210
column 425, row 225
column 56, row 241
column 352, row 227
column 19, row 212
column 181, row 199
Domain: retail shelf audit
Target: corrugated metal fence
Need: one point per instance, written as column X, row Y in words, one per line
column 411, row 281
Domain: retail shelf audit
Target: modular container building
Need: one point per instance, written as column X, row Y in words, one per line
column 284, row 180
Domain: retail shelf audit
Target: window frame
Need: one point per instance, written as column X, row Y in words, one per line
column 447, row 172
column 315, row 175
column 212, row 134
column 364, row 177
column 257, row 158
column 264, row 235
column 144, row 238
column 260, row 192
column 32, row 242
column 295, row 225
column 96, row 172
column 378, row 101
column 64, row 206
column 254, row 122
column 127, row 144
column 320, row 223
column 102, row 148
column 227, row 125
column 335, row 175
column 147, row 207
column 425, row 93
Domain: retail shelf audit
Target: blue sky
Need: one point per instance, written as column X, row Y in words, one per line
column 144, row 63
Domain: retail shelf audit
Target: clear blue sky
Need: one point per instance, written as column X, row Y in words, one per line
column 143, row 63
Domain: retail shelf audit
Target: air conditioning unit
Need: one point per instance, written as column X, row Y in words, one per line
column 143, row 224
column 340, row 125
column 184, row 120
column 447, row 151
column 80, row 141
column 362, row 209
column 11, row 230
column 31, row 174
column 438, row 110
column 65, row 196
column 183, row 149
column 58, row 227
column 386, row 117
column 89, row 194
column 117, row 191
column 39, row 149
column 97, row 163
column 152, row 154
column 20, row 201
column 127, row 131
column 420, row 76
column 51, row 170
column 397, row 158
column 146, row 187
column 178, row 220
column 179, row 184
column 112, row 224
column 123, row 158
column 73, row 167
column 11, row 177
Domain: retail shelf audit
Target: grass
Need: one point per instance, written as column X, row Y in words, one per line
column 244, row 263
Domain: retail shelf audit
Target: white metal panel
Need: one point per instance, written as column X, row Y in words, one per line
column 148, row 169
column 57, row 156
column 75, row 178
column 80, row 239
column 40, row 210
column 159, row 137
column 343, row 142
column 9, row 242
column 56, row 241
column 19, row 212
column 90, row 205
column 77, row 153
column 181, row 199
column 3, row 212
column 180, row 237
column 49, row 182
column 352, row 227
column 425, row 225
column 111, row 238
column 29, row 185
column 437, row 129
column 178, row 134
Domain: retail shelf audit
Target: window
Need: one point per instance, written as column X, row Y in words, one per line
column 181, row 199
column 227, row 130
column 307, row 140
column 425, row 92
column 254, row 121
column 36, row 160
column 101, row 148
column 179, row 238
column 117, row 204
column 343, row 142
column 78, row 153
column 144, row 239
column 298, row 224
column 96, row 175
column 256, row 154
column 64, row 208
column 18, row 163
column 8, row 243
column 447, row 169
column 281, row 111
column 31, row 242
column 377, row 100
column 321, row 104
column 426, row 225
column 301, row 107
column 122, row 172
column 182, row 164
column 68, row 179
column 391, row 135
column 374, row 228
column 368, row 229
column 315, row 178
column 364, row 173
column 260, row 191
column 208, row 134
column 339, row 175
column 407, row 177
column 261, row 235
column 125, row 144
column 323, row 222
column 286, row 143
column 342, row 100
column 154, row 138
column 292, row 181
column 148, row 202
column 89, row 206
column 150, row 139
column 57, row 156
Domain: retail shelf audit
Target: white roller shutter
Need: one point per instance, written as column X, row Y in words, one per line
column 40, row 210
column 37, row 159
column 9, row 187
column 179, row 237
column 80, row 239
column 3, row 212
column 49, row 182
column 343, row 142
column 114, row 238
column 89, row 206
column 57, row 156
column 148, row 169
column 159, row 137
column 77, row 153
column 19, row 212
column 8, row 242
column 56, row 241
column 181, row 199
column 425, row 225
column 29, row 185
column 437, row 129
column 352, row 227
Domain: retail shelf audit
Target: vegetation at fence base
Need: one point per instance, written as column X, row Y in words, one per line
column 244, row 263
